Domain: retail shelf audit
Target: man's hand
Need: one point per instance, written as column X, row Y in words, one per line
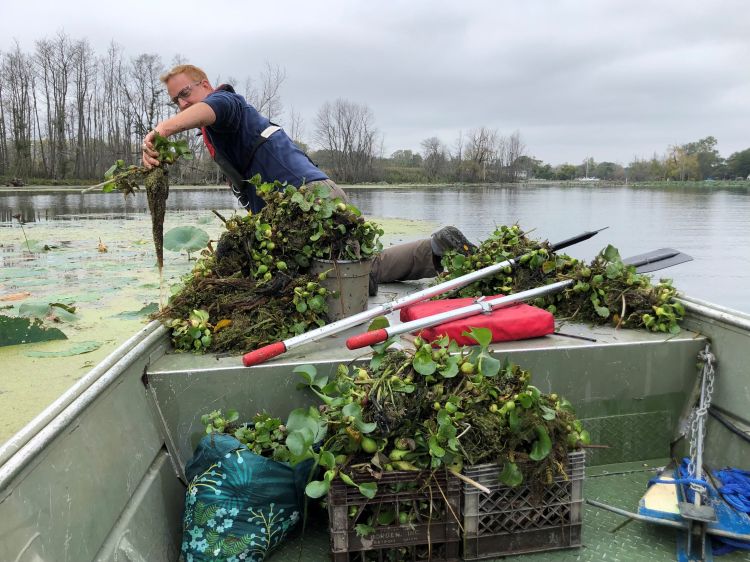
column 150, row 154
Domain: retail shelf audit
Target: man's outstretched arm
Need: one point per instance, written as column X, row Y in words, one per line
column 193, row 117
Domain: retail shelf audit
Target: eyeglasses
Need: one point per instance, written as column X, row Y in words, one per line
column 185, row 92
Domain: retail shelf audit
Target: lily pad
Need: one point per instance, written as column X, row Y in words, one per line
column 135, row 314
column 188, row 238
column 45, row 309
column 15, row 330
column 77, row 349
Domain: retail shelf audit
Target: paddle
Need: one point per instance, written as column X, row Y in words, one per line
column 657, row 259
column 651, row 261
column 270, row 351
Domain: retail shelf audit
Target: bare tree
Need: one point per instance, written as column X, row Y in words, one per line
column 434, row 157
column 458, row 156
column 54, row 63
column 347, row 132
column 481, row 152
column 18, row 81
column 146, row 93
column 296, row 128
column 83, row 76
column 4, row 157
column 266, row 97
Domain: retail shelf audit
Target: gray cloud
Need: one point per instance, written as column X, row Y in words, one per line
column 606, row 79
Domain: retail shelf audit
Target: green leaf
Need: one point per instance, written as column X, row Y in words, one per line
column 14, row 331
column 613, row 270
column 307, row 372
column 435, row 449
column 318, row 233
column 322, row 190
column 346, row 479
column 488, row 365
column 295, row 442
column 548, row 413
column 76, row 349
column 321, row 380
column 483, row 336
column 611, row 254
column 190, row 238
column 542, row 446
column 309, row 418
column 365, row 427
column 525, row 400
column 513, row 421
column 423, row 363
column 232, row 415
column 450, row 369
column 150, row 308
column 602, row 311
column 352, row 409
column 317, row 488
column 378, row 323
column 443, row 417
column 511, row 475
column 368, row 489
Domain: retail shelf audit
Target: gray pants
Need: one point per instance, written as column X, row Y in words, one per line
column 411, row 260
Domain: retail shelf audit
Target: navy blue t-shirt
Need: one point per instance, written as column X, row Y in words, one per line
column 234, row 134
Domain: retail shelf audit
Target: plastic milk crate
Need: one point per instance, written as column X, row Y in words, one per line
column 516, row 520
column 413, row 516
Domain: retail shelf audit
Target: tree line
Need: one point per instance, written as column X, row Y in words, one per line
column 67, row 113
column 692, row 161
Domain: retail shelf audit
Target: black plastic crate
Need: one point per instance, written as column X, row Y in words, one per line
column 430, row 501
column 517, row 520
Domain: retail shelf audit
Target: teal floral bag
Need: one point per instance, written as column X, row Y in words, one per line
column 239, row 505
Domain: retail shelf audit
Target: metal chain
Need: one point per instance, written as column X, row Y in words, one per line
column 700, row 414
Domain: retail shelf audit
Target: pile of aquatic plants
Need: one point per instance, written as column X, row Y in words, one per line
column 264, row 435
column 256, row 288
column 436, row 406
column 126, row 179
column 606, row 291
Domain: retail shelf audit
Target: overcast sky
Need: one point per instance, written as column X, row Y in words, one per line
column 607, row 79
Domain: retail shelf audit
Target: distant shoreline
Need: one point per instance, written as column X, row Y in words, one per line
column 707, row 184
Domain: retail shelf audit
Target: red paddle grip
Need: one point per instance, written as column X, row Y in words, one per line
column 263, row 354
column 367, row 338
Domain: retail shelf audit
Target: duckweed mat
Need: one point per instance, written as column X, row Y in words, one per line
column 114, row 291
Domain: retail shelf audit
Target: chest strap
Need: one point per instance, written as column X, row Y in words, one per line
column 264, row 136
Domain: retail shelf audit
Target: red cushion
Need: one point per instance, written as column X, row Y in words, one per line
column 517, row 322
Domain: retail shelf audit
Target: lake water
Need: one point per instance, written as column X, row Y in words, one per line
column 110, row 289
column 712, row 226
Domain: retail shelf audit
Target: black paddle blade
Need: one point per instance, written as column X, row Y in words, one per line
column 657, row 259
column 575, row 239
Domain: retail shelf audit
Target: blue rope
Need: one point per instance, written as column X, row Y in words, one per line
column 735, row 488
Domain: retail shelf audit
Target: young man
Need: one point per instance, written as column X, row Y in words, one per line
column 243, row 143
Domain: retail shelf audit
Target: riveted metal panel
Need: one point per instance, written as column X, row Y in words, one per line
column 63, row 502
